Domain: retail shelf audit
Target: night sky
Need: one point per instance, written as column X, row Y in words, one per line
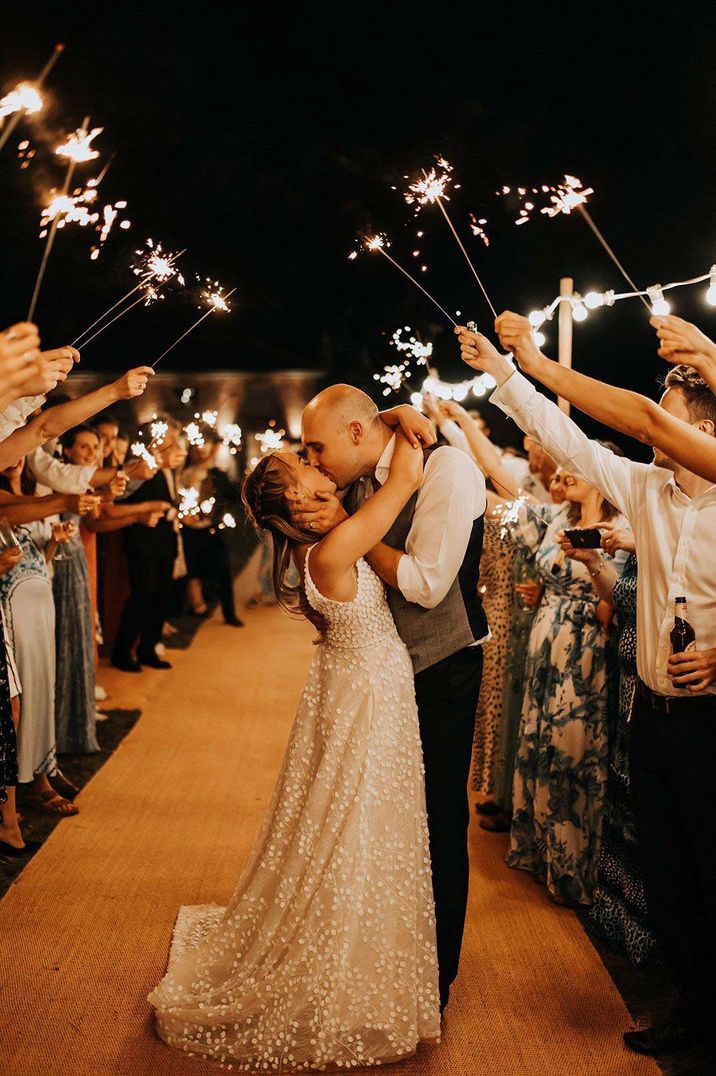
column 263, row 136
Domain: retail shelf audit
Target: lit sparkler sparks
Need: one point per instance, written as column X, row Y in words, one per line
column 189, row 501
column 432, row 189
column 271, row 440
column 141, row 452
column 209, row 418
column 158, row 430
column 194, row 436
column 414, row 350
column 478, row 230
column 228, row 521
column 77, row 146
column 154, row 266
column 215, row 299
column 232, row 437
column 24, row 98
column 69, row 209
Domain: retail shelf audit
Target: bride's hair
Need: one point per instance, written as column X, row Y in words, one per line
column 263, row 495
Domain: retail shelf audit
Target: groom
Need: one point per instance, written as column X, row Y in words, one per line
column 430, row 561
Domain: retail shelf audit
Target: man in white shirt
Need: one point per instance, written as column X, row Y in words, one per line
column 430, row 562
column 673, row 728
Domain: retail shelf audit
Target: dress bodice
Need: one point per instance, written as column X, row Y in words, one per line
column 361, row 622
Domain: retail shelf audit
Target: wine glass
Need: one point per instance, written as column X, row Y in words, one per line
column 63, row 552
column 8, row 538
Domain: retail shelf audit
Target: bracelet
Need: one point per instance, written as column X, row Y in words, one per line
column 599, row 569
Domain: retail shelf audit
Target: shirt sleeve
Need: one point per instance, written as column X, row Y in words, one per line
column 59, row 476
column 16, row 415
column 454, row 436
column 541, row 419
column 451, row 498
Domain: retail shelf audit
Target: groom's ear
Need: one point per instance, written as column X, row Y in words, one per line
column 356, row 432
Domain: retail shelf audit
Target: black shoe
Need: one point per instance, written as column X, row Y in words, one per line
column 669, row 1037
column 126, row 664
column 14, row 853
column 233, row 621
column 156, row 663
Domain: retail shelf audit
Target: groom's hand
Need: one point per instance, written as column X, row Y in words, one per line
column 319, row 514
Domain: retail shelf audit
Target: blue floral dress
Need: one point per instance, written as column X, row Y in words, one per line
column 619, row 913
column 561, row 766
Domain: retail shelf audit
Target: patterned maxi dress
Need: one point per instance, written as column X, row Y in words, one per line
column 326, row 953
column 561, row 767
column 8, row 737
column 619, row 913
column 496, row 591
column 75, row 706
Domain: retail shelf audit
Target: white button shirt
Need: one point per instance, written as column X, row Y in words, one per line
column 451, row 497
column 56, row 476
column 16, row 415
column 675, row 535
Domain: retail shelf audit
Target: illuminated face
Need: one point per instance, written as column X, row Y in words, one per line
column 333, row 452
column 307, row 481
column 576, row 489
column 108, row 432
column 84, row 451
column 557, row 489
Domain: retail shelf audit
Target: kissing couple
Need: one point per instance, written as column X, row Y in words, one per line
column 342, row 938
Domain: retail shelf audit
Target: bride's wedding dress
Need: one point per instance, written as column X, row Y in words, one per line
column 325, row 955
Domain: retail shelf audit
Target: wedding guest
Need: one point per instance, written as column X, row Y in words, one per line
column 672, row 511
column 560, row 773
column 205, row 549
column 619, row 913
column 151, row 553
column 26, row 593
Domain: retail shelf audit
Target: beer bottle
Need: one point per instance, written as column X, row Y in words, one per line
column 683, row 636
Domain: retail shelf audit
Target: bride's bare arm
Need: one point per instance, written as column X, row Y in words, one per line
column 336, row 555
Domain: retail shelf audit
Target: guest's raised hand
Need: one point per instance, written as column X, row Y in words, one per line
column 452, row 409
column 681, row 341
column 431, row 407
column 151, row 517
column 516, row 335
column 139, row 470
column 118, row 485
column 19, row 355
column 615, row 537
column 79, row 504
column 133, row 383
column 9, row 558
column 407, row 464
column 319, row 514
column 694, row 670
column 476, row 350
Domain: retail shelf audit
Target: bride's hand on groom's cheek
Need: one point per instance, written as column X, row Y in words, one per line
column 319, row 514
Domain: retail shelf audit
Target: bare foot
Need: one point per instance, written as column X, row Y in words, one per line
column 11, row 835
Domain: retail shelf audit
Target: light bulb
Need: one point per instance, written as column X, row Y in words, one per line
column 659, row 305
column 460, row 392
column 711, row 293
column 579, row 312
column 539, row 338
column 536, row 318
column 416, row 400
column 593, row 299
column 479, row 388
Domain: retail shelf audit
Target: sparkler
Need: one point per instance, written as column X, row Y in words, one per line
column 395, row 376
column 140, row 450
column 153, row 265
column 214, row 299
column 189, row 503
column 232, row 437
column 149, row 295
column 26, row 99
column 271, row 439
column 378, row 242
column 432, row 189
column 194, row 435
column 76, row 149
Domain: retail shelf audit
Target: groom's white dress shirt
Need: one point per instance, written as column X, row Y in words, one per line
column 675, row 534
column 451, row 497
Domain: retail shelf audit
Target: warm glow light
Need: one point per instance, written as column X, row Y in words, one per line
column 711, row 291
column 77, row 146
column 23, row 97
column 579, row 311
column 432, row 186
column 593, row 299
column 539, row 338
column 659, row 305
column 536, row 318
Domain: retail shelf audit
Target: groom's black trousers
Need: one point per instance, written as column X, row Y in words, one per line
column 447, row 700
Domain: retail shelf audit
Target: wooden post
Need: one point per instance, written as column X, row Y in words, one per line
column 566, row 287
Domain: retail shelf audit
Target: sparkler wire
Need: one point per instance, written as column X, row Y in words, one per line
column 211, row 310
column 417, row 285
column 129, row 294
column 13, row 122
column 53, row 231
column 467, row 258
column 585, row 213
column 141, row 299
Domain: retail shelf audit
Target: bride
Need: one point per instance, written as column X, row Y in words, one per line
column 326, row 953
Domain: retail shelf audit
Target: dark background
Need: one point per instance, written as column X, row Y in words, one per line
column 263, row 136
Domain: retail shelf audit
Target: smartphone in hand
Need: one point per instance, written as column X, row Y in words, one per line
column 584, row 537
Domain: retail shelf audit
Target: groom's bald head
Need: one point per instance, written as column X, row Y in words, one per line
column 340, row 428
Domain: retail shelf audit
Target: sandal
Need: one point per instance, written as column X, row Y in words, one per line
column 496, row 823
column 60, row 784
column 52, row 803
column 488, row 807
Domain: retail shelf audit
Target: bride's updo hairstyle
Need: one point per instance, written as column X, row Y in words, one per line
column 264, row 497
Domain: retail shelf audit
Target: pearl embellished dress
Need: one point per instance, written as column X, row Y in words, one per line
column 326, row 954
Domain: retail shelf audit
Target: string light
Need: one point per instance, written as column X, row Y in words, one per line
column 579, row 311
column 711, row 291
column 659, row 304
